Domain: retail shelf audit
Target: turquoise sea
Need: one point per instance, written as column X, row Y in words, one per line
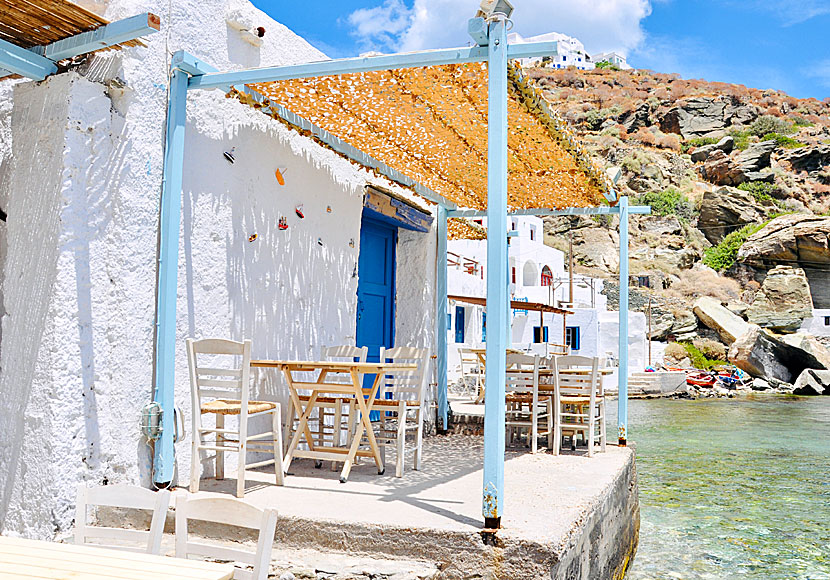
column 732, row 488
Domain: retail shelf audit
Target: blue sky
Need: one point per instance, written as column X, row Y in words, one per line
column 760, row 43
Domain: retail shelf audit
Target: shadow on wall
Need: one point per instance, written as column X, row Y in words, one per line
column 291, row 291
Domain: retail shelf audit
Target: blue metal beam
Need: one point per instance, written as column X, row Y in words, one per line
column 348, row 150
column 168, row 269
column 602, row 210
column 497, row 296
column 24, row 62
column 102, row 37
column 622, row 376
column 365, row 64
column 184, row 61
column 441, row 315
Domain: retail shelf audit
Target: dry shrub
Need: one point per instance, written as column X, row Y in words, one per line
column 644, row 136
column 711, row 349
column 674, row 351
column 670, row 141
column 696, row 283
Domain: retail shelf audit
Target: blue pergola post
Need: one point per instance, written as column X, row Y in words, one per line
column 622, row 378
column 497, row 299
column 441, row 315
column 170, row 209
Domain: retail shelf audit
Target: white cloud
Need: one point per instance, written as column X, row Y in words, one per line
column 819, row 71
column 602, row 25
column 792, row 12
column 380, row 27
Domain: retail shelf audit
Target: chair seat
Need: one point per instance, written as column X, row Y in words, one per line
column 521, row 397
column 327, row 399
column 231, row 407
column 395, row 403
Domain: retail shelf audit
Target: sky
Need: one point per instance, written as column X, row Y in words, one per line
column 763, row 44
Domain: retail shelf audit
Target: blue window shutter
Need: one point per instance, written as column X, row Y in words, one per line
column 449, row 321
column 483, row 327
column 459, row 324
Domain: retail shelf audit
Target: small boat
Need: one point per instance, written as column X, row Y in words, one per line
column 732, row 378
column 700, row 378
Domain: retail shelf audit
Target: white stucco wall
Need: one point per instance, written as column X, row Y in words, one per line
column 82, row 197
column 815, row 325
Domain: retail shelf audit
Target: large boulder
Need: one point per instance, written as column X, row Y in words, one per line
column 727, row 144
column 756, row 157
column 789, row 238
column 720, row 169
column 717, row 317
column 812, row 382
column 762, row 354
column 639, row 117
column 725, row 210
column 783, row 302
column 809, row 159
column 597, row 248
column 810, row 346
column 699, row 116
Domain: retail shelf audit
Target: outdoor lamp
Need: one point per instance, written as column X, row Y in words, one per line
column 490, row 8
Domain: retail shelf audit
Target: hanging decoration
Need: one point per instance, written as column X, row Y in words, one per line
column 229, row 155
column 299, row 211
column 328, row 209
column 280, row 175
column 351, row 243
column 252, row 237
column 283, row 224
column 319, row 241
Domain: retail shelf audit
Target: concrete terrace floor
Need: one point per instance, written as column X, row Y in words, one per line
column 546, row 497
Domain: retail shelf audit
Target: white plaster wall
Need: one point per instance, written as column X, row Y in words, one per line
column 815, row 324
column 82, row 195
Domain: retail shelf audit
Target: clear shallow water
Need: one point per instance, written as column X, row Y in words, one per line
column 736, row 488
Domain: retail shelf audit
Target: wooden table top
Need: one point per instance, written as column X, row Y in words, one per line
column 21, row 558
column 342, row 366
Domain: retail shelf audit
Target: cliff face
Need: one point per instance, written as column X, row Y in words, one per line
column 716, row 162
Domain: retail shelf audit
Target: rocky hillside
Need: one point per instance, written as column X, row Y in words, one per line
column 738, row 180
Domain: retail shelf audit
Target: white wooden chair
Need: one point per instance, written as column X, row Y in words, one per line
column 401, row 403
column 121, row 496
column 231, row 512
column 579, row 401
column 471, row 372
column 223, row 392
column 525, row 409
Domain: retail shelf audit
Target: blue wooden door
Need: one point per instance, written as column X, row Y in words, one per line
column 376, row 287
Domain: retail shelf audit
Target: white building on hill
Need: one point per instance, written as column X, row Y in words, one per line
column 537, row 274
column 571, row 52
column 615, row 58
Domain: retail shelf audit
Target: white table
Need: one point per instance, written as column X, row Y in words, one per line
column 21, row 558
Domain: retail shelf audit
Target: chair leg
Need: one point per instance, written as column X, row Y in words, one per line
column 277, row 433
column 220, row 455
column 195, row 464
column 591, row 423
column 401, row 441
column 419, row 440
column 602, row 427
column 549, row 424
column 534, row 427
column 240, row 474
column 337, row 434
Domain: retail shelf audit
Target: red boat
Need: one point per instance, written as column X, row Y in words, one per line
column 700, row 378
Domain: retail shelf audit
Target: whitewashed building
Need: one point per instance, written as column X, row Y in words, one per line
column 537, row 274
column 570, row 51
column 615, row 58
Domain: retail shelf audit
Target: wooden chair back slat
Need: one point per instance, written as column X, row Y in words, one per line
column 232, row 512
column 406, row 385
column 123, row 496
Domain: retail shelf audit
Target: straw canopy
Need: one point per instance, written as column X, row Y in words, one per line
column 430, row 124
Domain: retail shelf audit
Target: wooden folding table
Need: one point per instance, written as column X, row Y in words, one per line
column 320, row 389
column 21, row 558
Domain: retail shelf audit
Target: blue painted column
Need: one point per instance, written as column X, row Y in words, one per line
column 170, row 210
column 441, row 315
column 622, row 399
column 497, row 296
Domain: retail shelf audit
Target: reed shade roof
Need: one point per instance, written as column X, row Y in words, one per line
column 29, row 23
column 430, row 124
